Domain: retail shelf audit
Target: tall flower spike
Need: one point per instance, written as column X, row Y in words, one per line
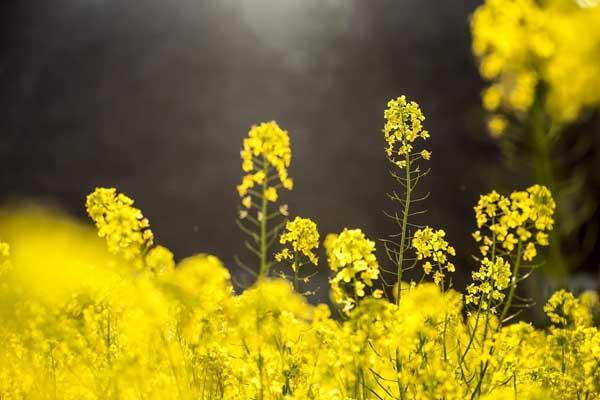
column 402, row 130
column 266, row 156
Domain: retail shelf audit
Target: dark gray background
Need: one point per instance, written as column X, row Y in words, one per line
column 155, row 97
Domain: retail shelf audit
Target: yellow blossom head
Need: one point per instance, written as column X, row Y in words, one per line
column 561, row 308
column 518, row 222
column 489, row 282
column 430, row 245
column 302, row 237
column 522, row 43
column 123, row 226
column 351, row 257
column 266, row 148
column 160, row 261
column 403, row 126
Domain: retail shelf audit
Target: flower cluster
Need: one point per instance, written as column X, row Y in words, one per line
column 404, row 125
column 266, row 156
column 573, row 345
column 564, row 309
column 4, row 257
column 159, row 260
column 302, row 236
column 351, row 257
column 520, row 221
column 78, row 325
column 489, row 282
column 521, row 44
column 267, row 146
column 75, row 326
column 431, row 246
column 123, row 226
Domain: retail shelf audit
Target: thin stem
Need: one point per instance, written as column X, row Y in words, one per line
column 264, row 268
column 473, row 333
column 544, row 136
column 513, row 286
column 404, row 224
column 296, row 267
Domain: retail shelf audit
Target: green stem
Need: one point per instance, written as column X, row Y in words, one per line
column 477, row 390
column 296, row 268
column 542, row 141
column 263, row 224
column 404, row 225
column 544, row 173
column 398, row 369
column 472, row 335
column 513, row 286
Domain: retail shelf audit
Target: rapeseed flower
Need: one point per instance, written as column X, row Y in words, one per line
column 351, row 257
column 124, row 227
column 78, row 324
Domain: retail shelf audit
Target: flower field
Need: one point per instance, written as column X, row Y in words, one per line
column 85, row 318
column 101, row 311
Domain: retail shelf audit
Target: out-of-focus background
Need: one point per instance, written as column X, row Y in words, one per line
column 155, row 97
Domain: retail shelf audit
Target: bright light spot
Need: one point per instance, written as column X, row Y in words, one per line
column 300, row 28
column 587, row 3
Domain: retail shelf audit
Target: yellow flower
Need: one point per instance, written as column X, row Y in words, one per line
column 542, row 238
column 451, row 267
column 492, row 97
column 530, row 252
column 427, row 267
column 4, row 249
column 402, row 127
column 515, row 220
column 438, row 276
column 509, row 242
column 284, row 254
column 561, row 307
column 271, row 194
column 488, row 283
column 267, row 146
column 303, row 237
column 123, row 226
column 430, row 245
column 160, row 261
column 351, row 257
column 5, row 264
column 497, row 125
column 520, row 43
column 247, row 202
